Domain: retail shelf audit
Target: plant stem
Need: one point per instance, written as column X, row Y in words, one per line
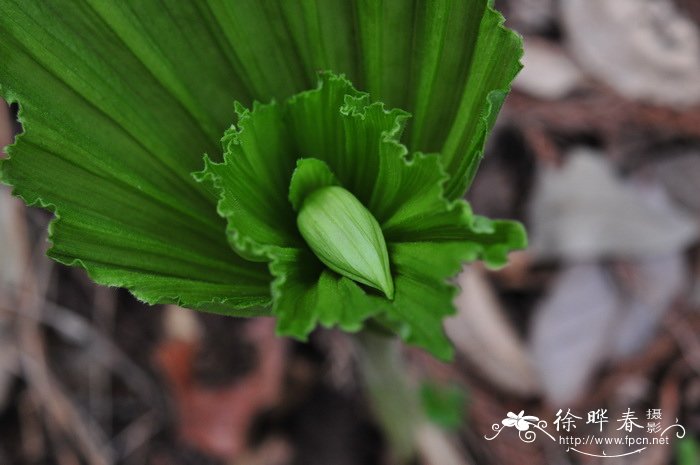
column 393, row 399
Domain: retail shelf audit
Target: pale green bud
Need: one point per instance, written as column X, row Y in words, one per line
column 346, row 237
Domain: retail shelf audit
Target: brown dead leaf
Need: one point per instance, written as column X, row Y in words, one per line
column 5, row 126
column 217, row 419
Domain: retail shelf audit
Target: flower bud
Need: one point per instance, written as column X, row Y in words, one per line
column 346, row 237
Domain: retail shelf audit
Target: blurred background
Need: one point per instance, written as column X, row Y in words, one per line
column 596, row 151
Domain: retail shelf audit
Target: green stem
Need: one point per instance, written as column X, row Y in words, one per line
column 393, row 399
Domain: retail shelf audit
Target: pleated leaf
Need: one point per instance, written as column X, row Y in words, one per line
column 110, row 140
column 343, row 140
column 119, row 100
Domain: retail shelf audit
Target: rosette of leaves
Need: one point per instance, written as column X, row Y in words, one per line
column 354, row 227
column 119, row 100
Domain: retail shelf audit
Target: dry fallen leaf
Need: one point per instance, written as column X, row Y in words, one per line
column 648, row 287
column 571, row 332
column 547, row 72
column 11, row 270
column 679, row 172
column 584, row 212
column 217, row 419
column 5, row 126
column 531, row 15
column 481, row 333
column 645, row 49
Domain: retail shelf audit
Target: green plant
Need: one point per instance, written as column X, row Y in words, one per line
column 326, row 206
column 119, row 101
column 688, row 451
column 353, row 229
column 444, row 405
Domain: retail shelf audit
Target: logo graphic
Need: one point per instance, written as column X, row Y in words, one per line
column 629, row 434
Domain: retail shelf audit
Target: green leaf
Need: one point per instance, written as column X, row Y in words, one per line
column 496, row 239
column 458, row 57
column 310, row 174
column 428, row 237
column 423, row 297
column 254, row 196
column 444, row 405
column 307, row 294
column 494, row 65
column 688, row 451
column 120, row 99
column 109, row 147
column 409, row 199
